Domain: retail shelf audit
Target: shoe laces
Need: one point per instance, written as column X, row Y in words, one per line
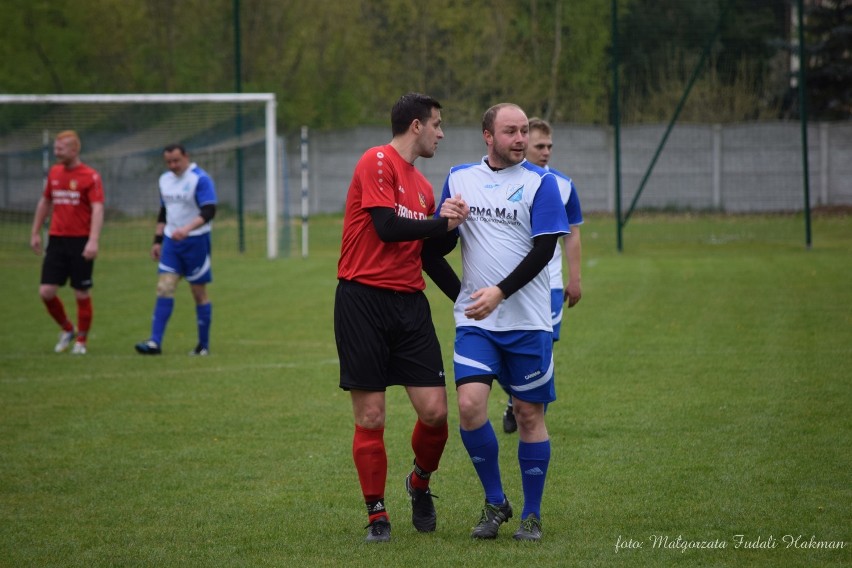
column 489, row 508
column 378, row 526
column 418, row 494
column 531, row 523
column 492, row 513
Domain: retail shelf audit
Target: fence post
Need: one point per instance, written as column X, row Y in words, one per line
column 717, row 167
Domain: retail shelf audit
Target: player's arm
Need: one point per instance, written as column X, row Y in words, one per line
column 157, row 246
column 572, row 248
column 205, row 215
column 531, row 265
column 436, row 248
column 487, row 299
column 392, row 228
column 573, row 254
column 91, row 249
column 437, row 267
column 41, row 213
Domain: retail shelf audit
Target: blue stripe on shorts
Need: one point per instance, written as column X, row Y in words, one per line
column 522, row 361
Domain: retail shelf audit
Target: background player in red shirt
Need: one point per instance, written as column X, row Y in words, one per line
column 74, row 198
column 382, row 320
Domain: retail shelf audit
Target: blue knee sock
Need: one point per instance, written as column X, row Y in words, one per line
column 204, row 314
column 483, row 449
column 533, row 458
column 162, row 312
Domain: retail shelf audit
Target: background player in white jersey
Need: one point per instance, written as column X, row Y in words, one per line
column 503, row 324
column 182, row 246
column 538, row 152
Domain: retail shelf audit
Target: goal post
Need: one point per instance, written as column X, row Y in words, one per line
column 119, row 148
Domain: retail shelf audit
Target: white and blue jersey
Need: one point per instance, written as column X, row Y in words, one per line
column 508, row 208
column 184, row 195
column 568, row 193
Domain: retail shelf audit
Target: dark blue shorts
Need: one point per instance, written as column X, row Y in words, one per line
column 189, row 258
column 521, row 361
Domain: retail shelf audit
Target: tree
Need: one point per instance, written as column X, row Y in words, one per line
column 828, row 45
column 664, row 41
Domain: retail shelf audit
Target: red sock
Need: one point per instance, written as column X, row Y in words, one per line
column 84, row 318
column 371, row 461
column 428, row 444
column 57, row 312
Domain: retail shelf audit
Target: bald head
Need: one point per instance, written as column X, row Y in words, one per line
column 505, row 128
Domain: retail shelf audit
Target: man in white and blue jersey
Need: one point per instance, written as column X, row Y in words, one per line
column 182, row 246
column 503, row 323
column 538, row 152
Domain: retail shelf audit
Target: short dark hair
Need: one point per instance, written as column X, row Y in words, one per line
column 537, row 123
column 411, row 107
column 491, row 114
column 173, row 147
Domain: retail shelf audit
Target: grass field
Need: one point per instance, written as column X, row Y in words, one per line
column 704, row 393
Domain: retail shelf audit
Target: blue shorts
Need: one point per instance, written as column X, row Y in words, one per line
column 557, row 301
column 189, row 258
column 522, row 361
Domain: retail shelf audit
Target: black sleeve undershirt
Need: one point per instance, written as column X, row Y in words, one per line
column 208, row 212
column 437, row 267
column 532, row 264
column 391, row 228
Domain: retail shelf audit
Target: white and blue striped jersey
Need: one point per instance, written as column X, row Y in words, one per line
column 184, row 195
column 568, row 192
column 507, row 209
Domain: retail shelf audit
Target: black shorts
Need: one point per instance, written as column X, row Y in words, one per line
column 63, row 259
column 385, row 338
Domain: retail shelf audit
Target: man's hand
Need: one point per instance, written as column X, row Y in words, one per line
column 156, row 249
column 486, row 301
column 179, row 234
column 456, row 210
column 35, row 243
column 90, row 251
column 572, row 294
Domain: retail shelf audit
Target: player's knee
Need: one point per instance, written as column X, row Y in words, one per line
column 199, row 294
column 47, row 293
column 166, row 285
column 530, row 416
column 434, row 416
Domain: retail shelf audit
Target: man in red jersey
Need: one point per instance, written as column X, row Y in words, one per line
column 382, row 320
column 74, row 194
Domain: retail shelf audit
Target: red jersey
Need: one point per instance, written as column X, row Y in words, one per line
column 72, row 192
column 383, row 178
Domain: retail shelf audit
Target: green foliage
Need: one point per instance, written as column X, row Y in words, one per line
column 703, row 392
column 341, row 63
column 828, row 35
column 663, row 45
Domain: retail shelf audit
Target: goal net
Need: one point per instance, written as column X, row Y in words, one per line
column 231, row 136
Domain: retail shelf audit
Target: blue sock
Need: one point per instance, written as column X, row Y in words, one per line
column 483, row 449
column 533, row 458
column 204, row 314
column 162, row 312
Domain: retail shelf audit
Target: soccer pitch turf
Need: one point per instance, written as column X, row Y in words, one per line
column 704, row 415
